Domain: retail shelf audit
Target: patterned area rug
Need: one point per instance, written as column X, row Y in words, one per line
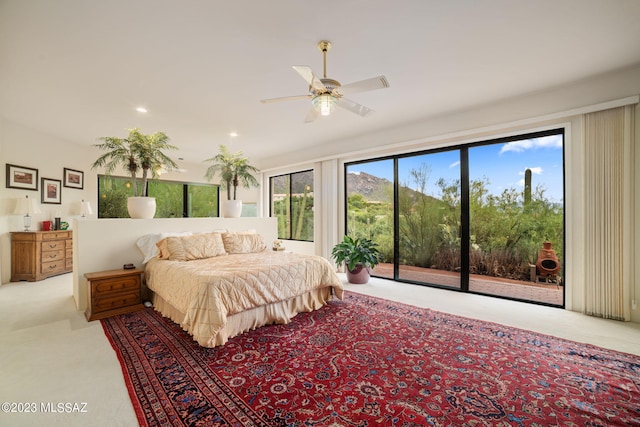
column 366, row 361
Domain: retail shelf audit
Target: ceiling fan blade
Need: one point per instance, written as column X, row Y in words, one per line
column 285, row 98
column 312, row 115
column 311, row 78
column 354, row 107
column 373, row 83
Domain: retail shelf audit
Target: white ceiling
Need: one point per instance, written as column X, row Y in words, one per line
column 76, row 69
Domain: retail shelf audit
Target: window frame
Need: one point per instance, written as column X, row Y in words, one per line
column 465, row 218
column 185, row 190
column 289, row 192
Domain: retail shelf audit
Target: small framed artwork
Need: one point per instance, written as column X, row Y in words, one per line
column 73, row 178
column 22, row 177
column 51, row 189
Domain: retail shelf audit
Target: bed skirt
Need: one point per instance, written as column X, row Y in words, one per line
column 279, row 312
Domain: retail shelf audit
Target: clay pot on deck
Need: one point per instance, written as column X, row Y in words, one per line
column 548, row 263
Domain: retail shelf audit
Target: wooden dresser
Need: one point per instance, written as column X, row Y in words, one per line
column 113, row 292
column 36, row 255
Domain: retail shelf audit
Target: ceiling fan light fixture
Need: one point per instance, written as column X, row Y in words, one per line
column 324, row 104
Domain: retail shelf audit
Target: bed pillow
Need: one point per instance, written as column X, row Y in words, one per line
column 195, row 246
column 147, row 243
column 243, row 243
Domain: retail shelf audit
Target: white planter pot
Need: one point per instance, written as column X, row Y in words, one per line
column 231, row 208
column 141, row 207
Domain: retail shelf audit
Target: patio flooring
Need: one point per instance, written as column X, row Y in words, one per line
column 527, row 291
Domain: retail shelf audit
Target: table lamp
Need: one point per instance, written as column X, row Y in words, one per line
column 27, row 207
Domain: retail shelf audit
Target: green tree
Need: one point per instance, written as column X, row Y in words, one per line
column 234, row 170
column 134, row 153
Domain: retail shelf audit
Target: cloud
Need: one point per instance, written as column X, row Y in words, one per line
column 553, row 141
column 454, row 165
column 536, row 171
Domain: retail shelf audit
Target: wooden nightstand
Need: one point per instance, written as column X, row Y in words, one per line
column 113, row 292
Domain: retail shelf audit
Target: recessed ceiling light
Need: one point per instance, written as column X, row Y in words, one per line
column 141, row 110
column 233, row 134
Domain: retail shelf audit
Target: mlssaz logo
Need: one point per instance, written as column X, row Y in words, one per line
column 63, row 407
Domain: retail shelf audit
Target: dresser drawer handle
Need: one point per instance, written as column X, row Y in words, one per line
column 52, row 245
column 51, row 267
column 52, row 256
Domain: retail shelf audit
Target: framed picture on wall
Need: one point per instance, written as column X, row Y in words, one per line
column 22, row 177
column 73, row 178
column 51, row 191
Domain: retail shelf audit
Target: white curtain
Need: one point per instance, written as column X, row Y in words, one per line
column 609, row 212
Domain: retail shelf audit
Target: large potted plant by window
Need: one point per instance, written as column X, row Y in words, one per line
column 234, row 170
column 358, row 255
column 137, row 152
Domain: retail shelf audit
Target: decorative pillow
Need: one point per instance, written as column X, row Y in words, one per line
column 148, row 247
column 196, row 246
column 243, row 243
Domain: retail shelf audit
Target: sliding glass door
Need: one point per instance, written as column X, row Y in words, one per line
column 486, row 217
column 370, row 208
column 429, row 218
column 515, row 210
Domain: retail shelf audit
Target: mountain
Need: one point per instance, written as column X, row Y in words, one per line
column 371, row 187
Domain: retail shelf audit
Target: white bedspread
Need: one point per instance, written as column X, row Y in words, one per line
column 209, row 290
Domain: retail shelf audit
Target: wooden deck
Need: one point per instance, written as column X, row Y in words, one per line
column 528, row 291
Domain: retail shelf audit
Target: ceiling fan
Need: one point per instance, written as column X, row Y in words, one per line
column 325, row 93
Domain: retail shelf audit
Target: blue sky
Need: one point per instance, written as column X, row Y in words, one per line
column 502, row 164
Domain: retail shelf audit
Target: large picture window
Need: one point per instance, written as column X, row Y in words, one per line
column 291, row 201
column 476, row 218
column 173, row 199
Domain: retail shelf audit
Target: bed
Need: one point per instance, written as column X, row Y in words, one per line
column 221, row 284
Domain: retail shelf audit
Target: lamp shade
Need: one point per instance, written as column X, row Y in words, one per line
column 85, row 208
column 27, row 206
column 324, row 103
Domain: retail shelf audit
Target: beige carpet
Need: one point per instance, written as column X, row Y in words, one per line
column 50, row 355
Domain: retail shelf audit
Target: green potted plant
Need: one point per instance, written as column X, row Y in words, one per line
column 137, row 152
column 358, row 255
column 234, row 170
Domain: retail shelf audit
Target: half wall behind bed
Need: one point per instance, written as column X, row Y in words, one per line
column 108, row 244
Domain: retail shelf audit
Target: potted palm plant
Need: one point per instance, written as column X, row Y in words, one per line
column 137, row 152
column 358, row 255
column 234, row 170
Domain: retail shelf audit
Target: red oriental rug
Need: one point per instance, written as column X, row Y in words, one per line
column 366, row 361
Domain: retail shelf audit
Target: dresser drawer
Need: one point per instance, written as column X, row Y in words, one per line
column 111, row 302
column 116, row 284
column 56, row 236
column 53, row 267
column 53, row 245
column 49, row 256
